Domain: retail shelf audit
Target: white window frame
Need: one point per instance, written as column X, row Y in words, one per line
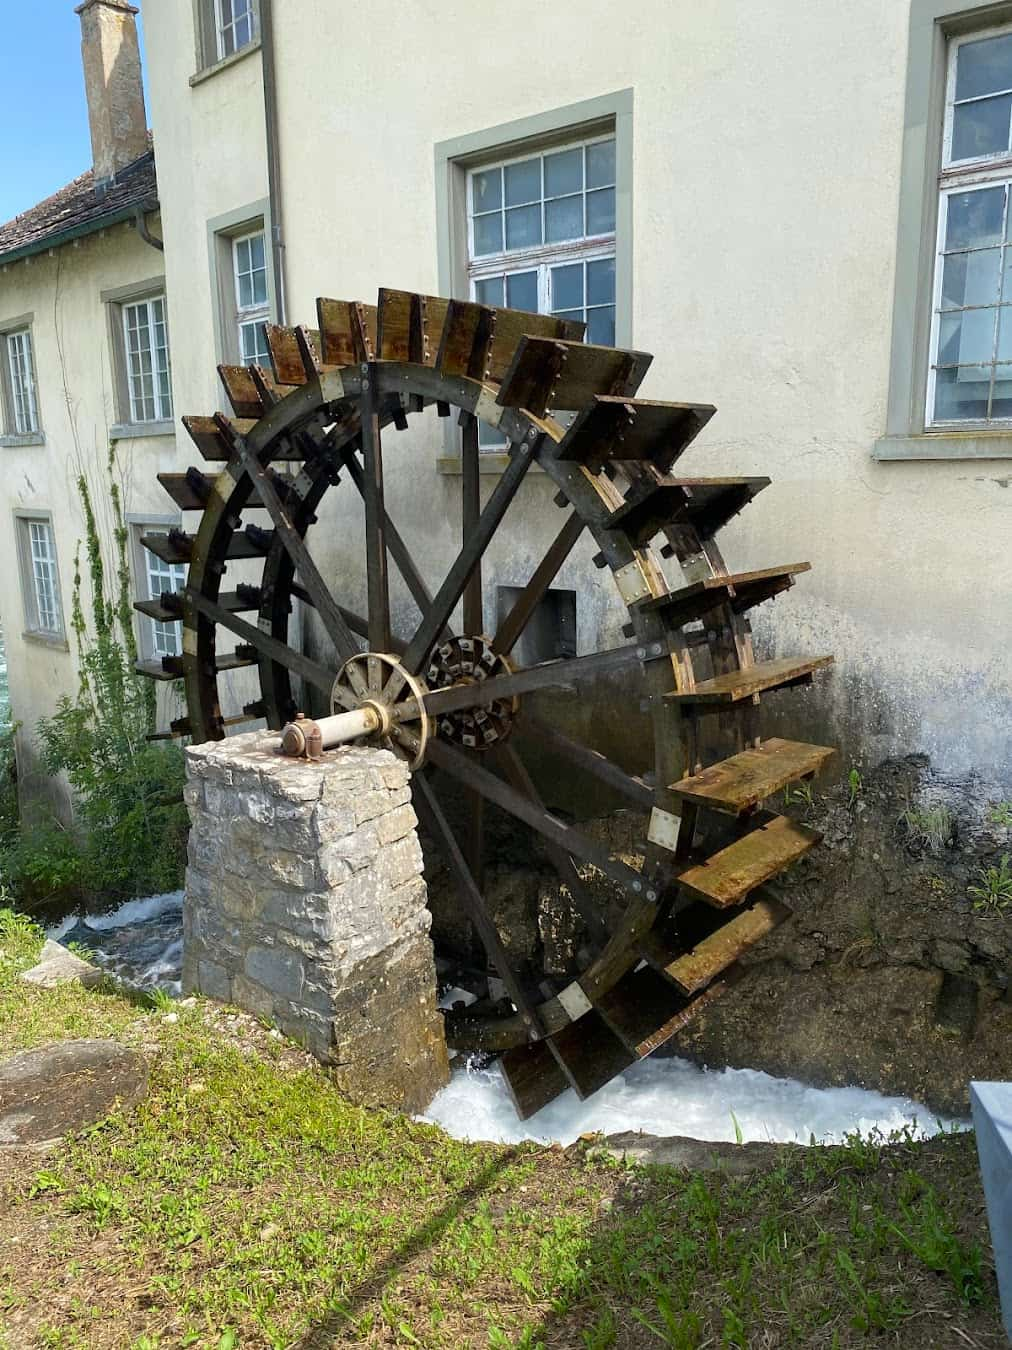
column 539, row 258
column 260, row 313
column 161, row 404
column 23, row 413
column 37, row 608
column 955, row 176
column 158, row 637
column 222, row 25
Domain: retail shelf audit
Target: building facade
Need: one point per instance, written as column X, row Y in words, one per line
column 802, row 215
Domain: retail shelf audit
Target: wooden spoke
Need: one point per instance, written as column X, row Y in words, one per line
column 431, row 813
column 469, row 772
column 516, row 771
column 626, row 785
column 375, row 518
column 548, row 675
column 511, row 628
column 471, row 493
column 438, row 614
column 326, row 606
column 320, row 676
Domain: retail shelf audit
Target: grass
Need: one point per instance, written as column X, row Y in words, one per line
column 993, row 888
column 246, row 1203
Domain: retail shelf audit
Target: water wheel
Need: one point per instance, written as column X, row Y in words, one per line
column 450, row 699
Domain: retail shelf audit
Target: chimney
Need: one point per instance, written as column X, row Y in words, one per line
column 112, row 81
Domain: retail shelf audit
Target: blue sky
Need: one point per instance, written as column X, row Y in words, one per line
column 46, row 142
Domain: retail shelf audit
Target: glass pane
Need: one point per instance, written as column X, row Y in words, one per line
column 567, row 287
column 975, row 218
column 961, row 395
column 245, row 290
column 601, row 211
column 523, row 182
column 488, row 291
column 487, row 190
column 564, row 219
column 601, row 282
column 564, row 173
column 522, row 291
column 523, row 227
column 1005, row 334
column 971, row 278
column 575, row 314
column 984, row 67
column 1001, row 399
column 981, row 128
column 256, row 251
column 601, row 164
column 488, row 234
column 601, row 326
column 490, row 438
column 966, row 337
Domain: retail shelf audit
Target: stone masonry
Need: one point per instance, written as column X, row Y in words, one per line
column 305, row 904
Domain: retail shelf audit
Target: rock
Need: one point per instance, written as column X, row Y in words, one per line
column 693, row 1155
column 58, row 966
column 62, row 1088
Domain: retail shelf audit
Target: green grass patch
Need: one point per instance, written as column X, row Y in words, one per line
column 246, row 1203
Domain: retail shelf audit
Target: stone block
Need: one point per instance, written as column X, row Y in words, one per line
column 305, row 903
column 278, row 969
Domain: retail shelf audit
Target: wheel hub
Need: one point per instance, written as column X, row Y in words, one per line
column 471, row 660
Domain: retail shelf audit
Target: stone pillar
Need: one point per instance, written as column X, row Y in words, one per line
column 305, row 903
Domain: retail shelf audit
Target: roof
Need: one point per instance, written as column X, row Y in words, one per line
column 77, row 210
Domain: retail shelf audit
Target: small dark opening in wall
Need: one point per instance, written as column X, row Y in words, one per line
column 551, row 633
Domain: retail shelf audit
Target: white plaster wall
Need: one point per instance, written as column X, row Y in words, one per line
column 75, row 386
column 767, row 143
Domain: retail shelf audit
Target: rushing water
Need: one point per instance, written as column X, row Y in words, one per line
column 142, row 943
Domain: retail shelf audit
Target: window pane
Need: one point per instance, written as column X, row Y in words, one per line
column 567, row 287
column 564, row 173
column 564, row 219
column 975, row 218
column 522, row 291
column 486, row 188
column 966, row 337
column 488, row 291
column 256, row 252
column 523, row 227
column 488, row 234
column 1001, row 399
column 984, row 67
column 523, row 182
column 1005, row 334
column 971, row 278
column 490, row 438
column 981, row 128
column 575, row 314
column 601, row 326
column 245, row 290
column 601, row 164
column 601, row 211
column 961, row 395
column 601, row 282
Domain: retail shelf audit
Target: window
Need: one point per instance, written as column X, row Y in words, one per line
column 252, row 305
column 40, row 576
column 158, row 637
column 541, row 237
column 235, row 25
column 550, row 634
column 18, row 390
column 148, row 378
column 970, row 379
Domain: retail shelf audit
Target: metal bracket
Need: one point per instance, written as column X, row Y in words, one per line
column 663, row 829
column 575, row 1001
column 631, row 582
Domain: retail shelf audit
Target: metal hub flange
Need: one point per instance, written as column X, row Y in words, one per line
column 470, row 660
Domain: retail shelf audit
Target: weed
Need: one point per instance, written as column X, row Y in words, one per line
column 159, row 1001
column 800, row 794
column 931, row 1237
column 854, row 787
column 994, row 885
column 931, row 827
column 738, row 1137
column 1000, row 813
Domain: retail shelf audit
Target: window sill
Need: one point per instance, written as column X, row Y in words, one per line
column 13, row 442
column 945, row 445
column 487, row 463
column 51, row 640
column 199, row 76
column 137, row 431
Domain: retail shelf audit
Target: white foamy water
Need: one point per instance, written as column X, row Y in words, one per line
column 141, row 942
column 672, row 1096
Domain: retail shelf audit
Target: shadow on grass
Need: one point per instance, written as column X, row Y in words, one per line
column 324, row 1332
